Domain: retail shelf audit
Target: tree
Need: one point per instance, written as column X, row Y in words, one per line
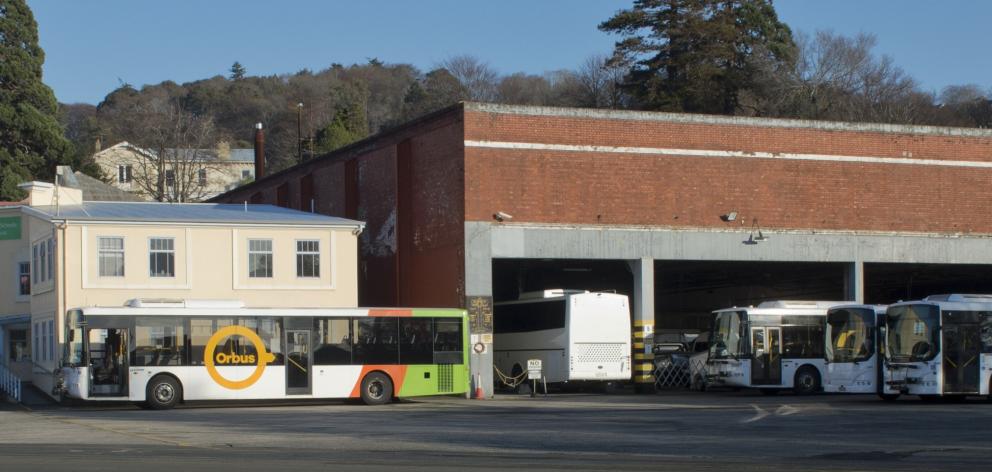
column 476, row 76
column 349, row 123
column 176, row 147
column 31, row 140
column 696, row 55
column 237, row 71
column 836, row 77
column 436, row 90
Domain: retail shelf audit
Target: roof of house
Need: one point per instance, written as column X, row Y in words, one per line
column 96, row 191
column 209, row 213
column 235, row 154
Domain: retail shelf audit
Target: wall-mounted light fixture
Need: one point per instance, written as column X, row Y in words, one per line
column 501, row 216
column 729, row 216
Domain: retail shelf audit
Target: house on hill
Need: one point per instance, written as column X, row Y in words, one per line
column 190, row 175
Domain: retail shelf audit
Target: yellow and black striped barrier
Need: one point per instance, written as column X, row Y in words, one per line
column 643, row 362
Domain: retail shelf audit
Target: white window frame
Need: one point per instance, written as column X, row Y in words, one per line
column 270, row 252
column 152, row 252
column 20, row 272
column 300, row 254
column 101, row 252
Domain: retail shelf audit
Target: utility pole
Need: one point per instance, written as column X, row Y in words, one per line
column 299, row 132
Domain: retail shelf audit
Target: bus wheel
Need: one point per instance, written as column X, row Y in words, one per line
column 889, row 397
column 807, row 381
column 377, row 389
column 162, row 392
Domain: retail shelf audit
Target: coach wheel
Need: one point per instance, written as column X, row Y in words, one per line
column 807, row 381
column 889, row 397
column 377, row 389
column 162, row 393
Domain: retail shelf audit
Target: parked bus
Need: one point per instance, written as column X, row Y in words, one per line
column 578, row 336
column 855, row 340
column 774, row 346
column 158, row 353
column 939, row 346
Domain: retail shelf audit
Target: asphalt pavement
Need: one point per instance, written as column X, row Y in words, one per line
column 624, row 431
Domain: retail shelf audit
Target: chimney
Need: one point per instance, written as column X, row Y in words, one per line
column 259, row 152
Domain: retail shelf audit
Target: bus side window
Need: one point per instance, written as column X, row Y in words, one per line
column 447, row 341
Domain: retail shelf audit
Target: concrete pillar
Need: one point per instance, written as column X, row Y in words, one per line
column 854, row 282
column 479, row 303
column 643, row 324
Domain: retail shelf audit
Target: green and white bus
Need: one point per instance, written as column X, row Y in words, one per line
column 158, row 353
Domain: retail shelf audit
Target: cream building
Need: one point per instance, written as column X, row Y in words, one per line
column 202, row 173
column 60, row 252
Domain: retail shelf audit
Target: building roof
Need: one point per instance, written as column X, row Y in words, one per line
column 235, row 155
column 203, row 213
column 96, row 191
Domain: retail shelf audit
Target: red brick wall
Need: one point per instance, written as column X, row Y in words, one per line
column 433, row 268
column 639, row 189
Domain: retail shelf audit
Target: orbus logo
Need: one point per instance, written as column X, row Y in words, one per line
column 212, row 358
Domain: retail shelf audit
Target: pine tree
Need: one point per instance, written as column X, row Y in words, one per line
column 237, row 71
column 31, row 140
column 697, row 55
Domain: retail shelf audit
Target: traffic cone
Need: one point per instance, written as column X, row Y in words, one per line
column 479, row 394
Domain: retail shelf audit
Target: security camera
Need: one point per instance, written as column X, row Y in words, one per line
column 500, row 216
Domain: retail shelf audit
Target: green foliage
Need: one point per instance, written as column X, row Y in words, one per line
column 31, row 140
column 697, row 55
column 438, row 89
column 349, row 123
column 237, row 71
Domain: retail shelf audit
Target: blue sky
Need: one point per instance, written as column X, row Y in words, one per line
column 91, row 46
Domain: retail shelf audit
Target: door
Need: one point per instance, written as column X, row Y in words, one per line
column 107, row 350
column 766, row 356
column 961, row 351
column 298, row 362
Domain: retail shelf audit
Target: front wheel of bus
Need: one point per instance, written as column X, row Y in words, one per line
column 807, row 381
column 162, row 393
column 377, row 389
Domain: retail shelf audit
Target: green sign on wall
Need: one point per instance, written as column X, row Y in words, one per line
column 10, row 227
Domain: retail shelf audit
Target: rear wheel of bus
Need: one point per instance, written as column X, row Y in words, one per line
column 377, row 389
column 162, row 393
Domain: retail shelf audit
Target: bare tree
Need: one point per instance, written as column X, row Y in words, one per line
column 476, row 76
column 524, row 89
column 177, row 150
column 840, row 78
column 601, row 80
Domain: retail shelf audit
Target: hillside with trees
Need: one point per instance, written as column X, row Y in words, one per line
column 694, row 56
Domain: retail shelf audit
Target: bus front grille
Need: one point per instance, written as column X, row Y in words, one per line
column 445, row 378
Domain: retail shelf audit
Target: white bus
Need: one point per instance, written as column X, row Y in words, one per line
column 854, row 347
column 774, row 346
column 577, row 335
column 939, row 346
column 158, row 353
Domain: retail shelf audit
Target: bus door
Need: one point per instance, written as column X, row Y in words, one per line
column 961, row 352
column 298, row 362
column 108, row 364
column 766, row 363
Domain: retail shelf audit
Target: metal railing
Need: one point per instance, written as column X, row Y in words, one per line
column 678, row 371
column 10, row 384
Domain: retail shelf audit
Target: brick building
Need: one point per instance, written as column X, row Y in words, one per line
column 686, row 213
